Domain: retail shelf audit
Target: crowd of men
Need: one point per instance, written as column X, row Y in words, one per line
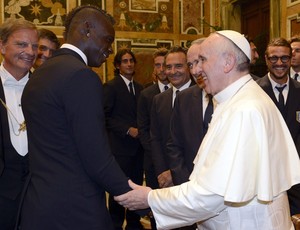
column 217, row 145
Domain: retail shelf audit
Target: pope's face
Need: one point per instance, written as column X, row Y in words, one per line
column 211, row 64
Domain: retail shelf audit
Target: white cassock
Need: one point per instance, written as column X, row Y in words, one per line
column 244, row 166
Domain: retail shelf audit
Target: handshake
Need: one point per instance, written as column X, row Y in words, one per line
column 135, row 199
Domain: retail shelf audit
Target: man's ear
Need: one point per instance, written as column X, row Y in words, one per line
column 2, row 47
column 230, row 62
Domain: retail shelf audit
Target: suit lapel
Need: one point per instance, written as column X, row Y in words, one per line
column 3, row 127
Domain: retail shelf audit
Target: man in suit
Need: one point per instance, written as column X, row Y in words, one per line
column 143, row 115
column 186, row 134
column 71, row 165
column 285, row 92
column 295, row 61
column 18, row 45
column 178, row 74
column 120, row 105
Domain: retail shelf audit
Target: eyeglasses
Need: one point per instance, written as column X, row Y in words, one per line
column 283, row 59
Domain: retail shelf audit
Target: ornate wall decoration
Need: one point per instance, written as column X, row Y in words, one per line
column 192, row 15
column 40, row 12
column 144, row 15
column 99, row 3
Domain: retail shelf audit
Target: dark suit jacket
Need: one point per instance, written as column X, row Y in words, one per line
column 121, row 114
column 71, row 163
column 186, row 133
column 1, row 150
column 143, row 120
column 14, row 167
column 292, row 106
column 291, row 115
column 161, row 111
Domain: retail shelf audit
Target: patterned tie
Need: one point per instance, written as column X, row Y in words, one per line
column 296, row 76
column 208, row 113
column 281, row 98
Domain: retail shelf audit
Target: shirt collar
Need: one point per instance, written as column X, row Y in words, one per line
column 125, row 79
column 75, row 49
column 8, row 80
column 185, row 86
column 292, row 72
column 161, row 86
column 232, row 89
column 274, row 84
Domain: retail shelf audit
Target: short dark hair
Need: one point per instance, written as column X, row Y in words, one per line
column 279, row 42
column 249, row 39
column 176, row 49
column 295, row 38
column 72, row 19
column 118, row 58
column 48, row 34
column 11, row 25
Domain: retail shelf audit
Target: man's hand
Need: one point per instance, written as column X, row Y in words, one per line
column 136, row 198
column 165, row 179
column 133, row 132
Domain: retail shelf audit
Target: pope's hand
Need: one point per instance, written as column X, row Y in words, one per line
column 135, row 199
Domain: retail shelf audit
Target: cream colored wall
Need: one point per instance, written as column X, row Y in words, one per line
column 290, row 12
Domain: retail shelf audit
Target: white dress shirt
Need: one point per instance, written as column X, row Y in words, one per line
column 285, row 91
column 13, row 90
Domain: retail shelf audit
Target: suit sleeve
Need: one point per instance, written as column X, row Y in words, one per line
column 160, row 164
column 83, row 100
column 143, row 121
column 175, row 147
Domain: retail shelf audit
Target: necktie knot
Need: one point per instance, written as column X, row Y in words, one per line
column 166, row 87
column 280, row 88
column 296, row 76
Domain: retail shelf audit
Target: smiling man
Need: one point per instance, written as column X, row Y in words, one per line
column 120, row 105
column 18, row 44
column 285, row 93
column 235, row 183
